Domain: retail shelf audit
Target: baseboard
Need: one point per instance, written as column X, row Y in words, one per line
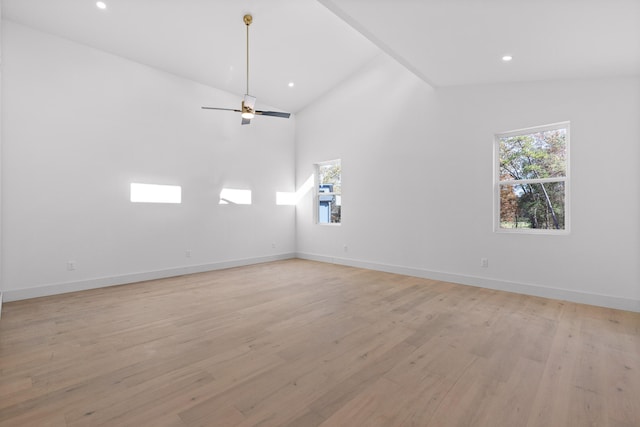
column 83, row 285
column 483, row 282
column 521, row 288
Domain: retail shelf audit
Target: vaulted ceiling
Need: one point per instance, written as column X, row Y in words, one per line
column 316, row 44
column 459, row 42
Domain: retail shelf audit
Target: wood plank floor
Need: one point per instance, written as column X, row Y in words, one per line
column 305, row 344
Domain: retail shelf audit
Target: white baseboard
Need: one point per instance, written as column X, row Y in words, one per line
column 82, row 285
column 483, row 282
column 521, row 288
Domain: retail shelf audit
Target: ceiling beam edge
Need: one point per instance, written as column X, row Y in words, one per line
column 340, row 13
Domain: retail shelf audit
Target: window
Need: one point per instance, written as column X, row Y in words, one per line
column 154, row 193
column 532, row 179
column 328, row 198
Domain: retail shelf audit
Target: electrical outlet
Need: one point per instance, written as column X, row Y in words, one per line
column 346, row 248
column 71, row 265
column 484, row 262
column 188, row 253
column 273, row 245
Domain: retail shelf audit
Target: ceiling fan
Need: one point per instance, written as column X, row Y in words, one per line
column 248, row 110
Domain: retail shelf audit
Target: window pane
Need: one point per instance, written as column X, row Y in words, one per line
column 329, row 174
column 533, row 156
column 329, row 209
column 532, row 206
column 329, row 205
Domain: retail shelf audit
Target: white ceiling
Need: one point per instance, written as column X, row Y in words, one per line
column 205, row 40
column 459, row 42
column 319, row 43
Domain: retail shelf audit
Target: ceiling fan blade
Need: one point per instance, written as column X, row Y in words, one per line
column 245, row 121
column 250, row 101
column 223, row 109
column 273, row 114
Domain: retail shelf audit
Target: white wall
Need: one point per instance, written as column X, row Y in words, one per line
column 418, row 182
column 1, row 284
column 79, row 125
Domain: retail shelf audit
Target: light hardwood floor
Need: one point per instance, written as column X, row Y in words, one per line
column 300, row 343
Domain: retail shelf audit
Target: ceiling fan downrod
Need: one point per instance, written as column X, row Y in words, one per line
column 248, row 19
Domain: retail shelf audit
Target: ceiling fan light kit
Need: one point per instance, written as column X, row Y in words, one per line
column 248, row 111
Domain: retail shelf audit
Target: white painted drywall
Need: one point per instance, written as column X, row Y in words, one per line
column 1, row 282
column 79, row 125
column 418, row 182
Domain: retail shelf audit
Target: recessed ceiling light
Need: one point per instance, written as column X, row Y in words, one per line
column 101, row 5
column 291, row 84
column 507, row 58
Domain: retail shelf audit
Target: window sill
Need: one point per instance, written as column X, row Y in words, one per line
column 533, row 232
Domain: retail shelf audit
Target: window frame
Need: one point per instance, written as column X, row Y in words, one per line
column 316, row 192
column 566, row 180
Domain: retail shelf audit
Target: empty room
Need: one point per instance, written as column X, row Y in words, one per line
column 320, row 213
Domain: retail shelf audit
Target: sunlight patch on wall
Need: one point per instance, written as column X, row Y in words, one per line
column 155, row 193
column 289, row 198
column 232, row 196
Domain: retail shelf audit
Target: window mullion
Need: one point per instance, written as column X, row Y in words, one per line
column 533, row 181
